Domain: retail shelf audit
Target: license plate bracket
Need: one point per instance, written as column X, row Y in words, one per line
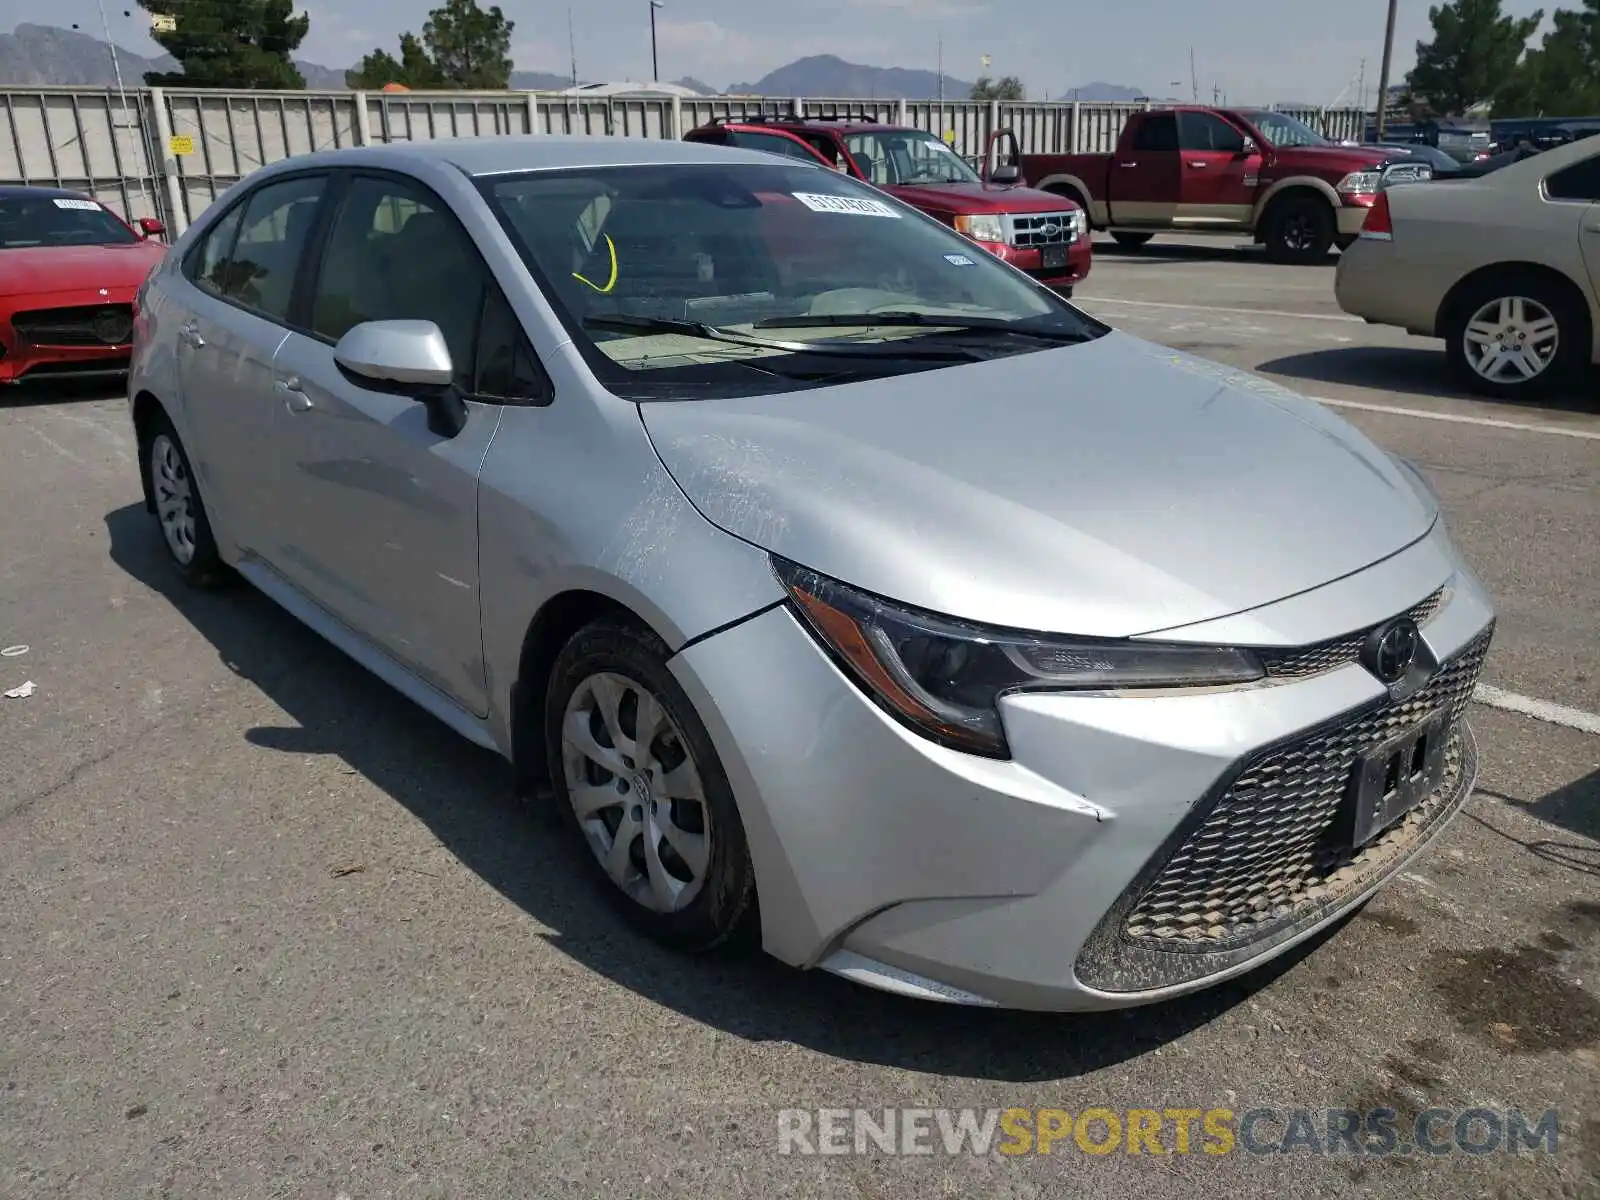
column 1393, row 778
column 1053, row 257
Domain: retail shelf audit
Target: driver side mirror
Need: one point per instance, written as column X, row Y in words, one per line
column 1249, row 147
column 1008, row 173
column 151, row 227
column 406, row 358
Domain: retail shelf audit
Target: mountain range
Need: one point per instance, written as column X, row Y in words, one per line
column 44, row 55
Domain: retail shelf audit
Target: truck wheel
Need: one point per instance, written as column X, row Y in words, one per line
column 1131, row 240
column 1515, row 334
column 1300, row 230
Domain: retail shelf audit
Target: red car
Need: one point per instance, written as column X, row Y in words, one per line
column 1036, row 232
column 69, row 269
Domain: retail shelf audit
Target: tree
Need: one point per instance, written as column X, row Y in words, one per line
column 1562, row 77
column 1474, row 53
column 1008, row 87
column 462, row 46
column 471, row 47
column 413, row 70
column 230, row 43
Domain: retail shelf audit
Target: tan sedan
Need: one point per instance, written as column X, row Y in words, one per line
column 1505, row 268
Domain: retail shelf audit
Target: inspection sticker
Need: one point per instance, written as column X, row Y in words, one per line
column 79, row 205
column 853, row 205
column 959, row 260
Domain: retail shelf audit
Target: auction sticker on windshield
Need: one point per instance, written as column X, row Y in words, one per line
column 79, row 205
column 852, row 205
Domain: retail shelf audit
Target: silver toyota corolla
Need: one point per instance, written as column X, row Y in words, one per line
column 834, row 579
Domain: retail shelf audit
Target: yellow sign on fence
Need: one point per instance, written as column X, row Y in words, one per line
column 181, row 144
column 163, row 23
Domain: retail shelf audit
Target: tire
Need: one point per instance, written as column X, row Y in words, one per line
column 1300, row 230
column 1131, row 240
column 180, row 512
column 674, row 800
column 1545, row 321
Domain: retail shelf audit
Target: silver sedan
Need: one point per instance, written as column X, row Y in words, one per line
column 837, row 582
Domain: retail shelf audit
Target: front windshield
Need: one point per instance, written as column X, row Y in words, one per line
column 697, row 279
column 1280, row 130
column 906, row 158
column 31, row 221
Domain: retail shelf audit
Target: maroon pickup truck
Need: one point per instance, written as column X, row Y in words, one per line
column 1226, row 170
column 1034, row 232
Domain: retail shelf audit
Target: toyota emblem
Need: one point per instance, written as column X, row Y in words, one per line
column 1390, row 649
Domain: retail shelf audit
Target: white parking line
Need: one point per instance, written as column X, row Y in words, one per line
column 1458, row 419
column 1539, row 710
column 1089, row 301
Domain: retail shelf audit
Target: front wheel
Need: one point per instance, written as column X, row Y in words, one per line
column 638, row 782
column 180, row 512
column 1300, row 230
column 1515, row 336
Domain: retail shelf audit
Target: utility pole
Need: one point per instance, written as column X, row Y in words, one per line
column 1361, row 90
column 1194, row 80
column 1383, row 71
column 941, row 68
column 572, row 48
column 655, row 62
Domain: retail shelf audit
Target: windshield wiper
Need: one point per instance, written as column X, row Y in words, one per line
column 629, row 323
column 930, row 321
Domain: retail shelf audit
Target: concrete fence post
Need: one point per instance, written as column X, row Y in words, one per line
column 900, row 112
column 535, row 125
column 1075, row 130
column 168, row 169
column 799, row 103
column 677, row 118
column 994, row 122
column 363, row 120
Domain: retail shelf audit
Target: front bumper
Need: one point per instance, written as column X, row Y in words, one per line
column 1350, row 216
column 42, row 356
column 1080, row 257
column 1094, row 869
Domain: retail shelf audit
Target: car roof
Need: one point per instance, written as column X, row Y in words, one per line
column 1546, row 162
column 817, row 124
column 21, row 191
column 481, row 156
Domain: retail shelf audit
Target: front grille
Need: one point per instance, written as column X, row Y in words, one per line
column 1032, row 230
column 1301, row 662
column 1407, row 173
column 1270, row 854
column 94, row 325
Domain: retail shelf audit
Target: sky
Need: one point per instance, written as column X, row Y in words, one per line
column 1292, row 50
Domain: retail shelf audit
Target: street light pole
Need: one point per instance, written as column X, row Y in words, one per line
column 1383, row 71
column 655, row 62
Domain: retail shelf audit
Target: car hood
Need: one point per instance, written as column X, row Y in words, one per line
column 1343, row 159
column 979, row 198
column 1109, row 489
column 37, row 270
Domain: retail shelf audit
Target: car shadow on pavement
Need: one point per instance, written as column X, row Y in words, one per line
column 1416, row 371
column 465, row 797
column 1225, row 250
column 38, row 395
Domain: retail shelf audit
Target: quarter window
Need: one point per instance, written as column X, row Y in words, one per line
column 208, row 265
column 1581, row 181
column 272, row 237
column 396, row 253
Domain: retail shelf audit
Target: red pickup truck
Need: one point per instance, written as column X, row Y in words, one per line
column 1228, row 170
column 1041, row 234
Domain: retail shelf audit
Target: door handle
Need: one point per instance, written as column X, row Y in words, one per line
column 294, row 396
column 1127, row 164
column 191, row 334
column 1198, row 165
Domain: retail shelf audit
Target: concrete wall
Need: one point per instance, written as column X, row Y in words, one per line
column 119, row 147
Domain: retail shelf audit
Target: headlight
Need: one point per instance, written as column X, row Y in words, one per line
column 1360, row 183
column 944, row 677
column 982, row 228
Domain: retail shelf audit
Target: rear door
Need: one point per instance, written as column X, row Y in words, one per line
column 1218, row 180
column 1144, row 184
column 1579, row 184
column 241, row 275
column 382, row 511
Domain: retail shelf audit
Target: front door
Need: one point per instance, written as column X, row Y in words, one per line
column 241, row 276
column 383, row 511
column 1217, row 178
column 1144, row 183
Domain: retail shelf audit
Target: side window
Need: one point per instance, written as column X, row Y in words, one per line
column 396, row 253
column 1206, row 131
column 1580, row 181
column 272, row 235
column 1158, row 131
column 770, row 143
column 208, row 261
column 872, row 156
column 507, row 369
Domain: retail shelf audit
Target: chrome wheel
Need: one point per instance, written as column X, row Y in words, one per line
column 174, row 498
column 1511, row 339
column 636, row 792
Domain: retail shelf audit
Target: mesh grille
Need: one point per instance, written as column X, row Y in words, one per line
column 99, row 325
column 1273, row 844
column 1302, row 662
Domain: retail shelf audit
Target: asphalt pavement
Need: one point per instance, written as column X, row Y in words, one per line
column 267, row 930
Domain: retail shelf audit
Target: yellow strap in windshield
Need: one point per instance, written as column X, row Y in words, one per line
column 610, row 283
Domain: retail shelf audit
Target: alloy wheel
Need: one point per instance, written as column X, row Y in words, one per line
column 636, row 791
column 1511, row 339
column 169, row 479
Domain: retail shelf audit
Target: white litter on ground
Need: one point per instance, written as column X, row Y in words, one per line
column 13, row 652
column 21, row 693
